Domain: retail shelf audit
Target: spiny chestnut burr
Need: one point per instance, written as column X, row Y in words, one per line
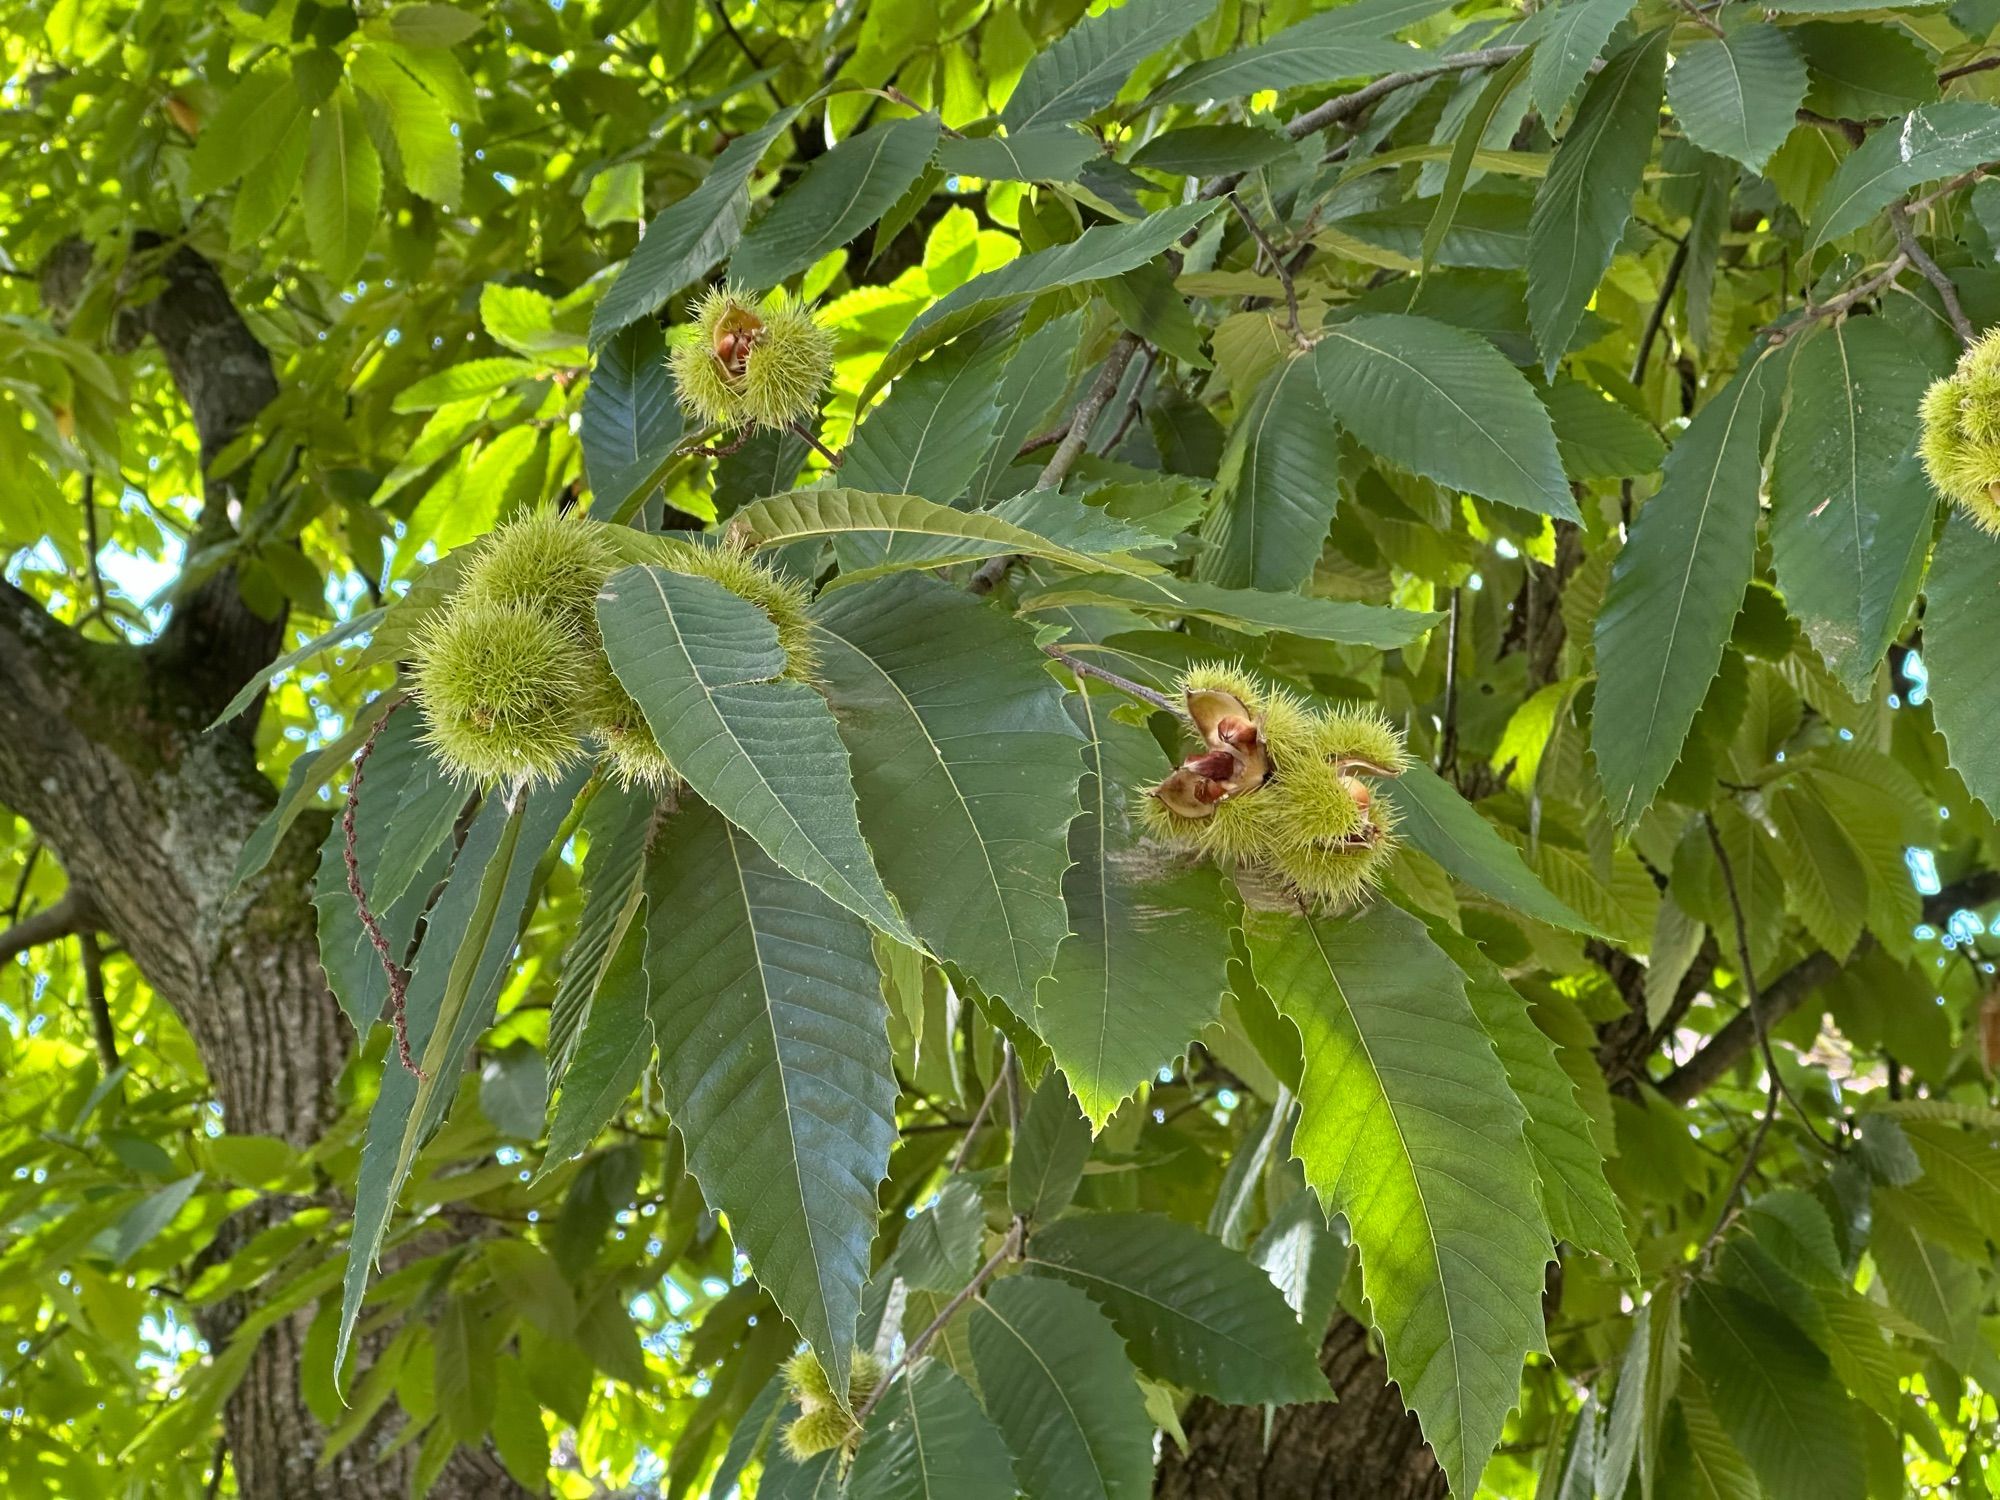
column 1277, row 787
column 748, row 361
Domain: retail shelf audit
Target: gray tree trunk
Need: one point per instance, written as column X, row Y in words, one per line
column 103, row 751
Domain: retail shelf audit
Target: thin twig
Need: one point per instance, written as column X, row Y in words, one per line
column 1124, row 684
column 1906, row 236
column 1447, row 754
column 1983, row 65
column 972, row 1130
column 1833, row 306
column 69, row 916
column 817, row 446
column 103, row 1033
column 21, row 883
column 913, row 1351
column 1659, row 312
column 1069, row 449
column 703, row 450
column 399, row 977
column 1136, row 403
column 1347, row 106
column 1695, row 14
column 102, row 607
column 1283, row 271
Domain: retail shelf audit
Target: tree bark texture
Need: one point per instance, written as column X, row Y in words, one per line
column 103, row 750
column 1363, row 1447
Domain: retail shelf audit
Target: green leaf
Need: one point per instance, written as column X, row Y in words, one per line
column 931, row 435
column 775, row 1066
column 1346, row 42
column 426, row 150
column 256, row 116
column 347, row 629
column 514, row 1091
column 1736, row 94
column 463, row 382
column 965, row 768
column 616, row 195
column 1407, row 1126
column 144, row 1221
column 617, row 824
column 612, row 1050
column 1049, row 1153
column 939, row 1251
column 1674, row 592
column 631, row 421
column 1442, row 824
column 527, row 321
column 1191, row 1311
column 1032, row 386
column 1933, row 141
column 928, row 1438
column 690, row 236
column 1575, row 1197
column 1596, row 436
column 463, row 1371
column 429, row 25
column 705, row 668
column 1098, row 253
column 1045, row 153
column 472, row 932
column 343, row 188
column 1198, row 150
column 1775, row 1395
column 1247, row 611
column 308, row 773
column 1862, row 71
column 841, row 194
column 265, row 194
column 1089, row 63
column 969, row 535
column 1585, row 202
column 1060, row 1389
column 1143, row 971
column 1484, row 115
column 1961, row 623
column 1400, row 383
column 1824, row 873
column 1277, row 488
column 1569, row 39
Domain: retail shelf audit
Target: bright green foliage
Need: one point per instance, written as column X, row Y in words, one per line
column 833, row 489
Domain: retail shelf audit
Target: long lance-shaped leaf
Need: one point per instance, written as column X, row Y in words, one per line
column 1567, row 41
column 1850, row 507
column 612, row 1051
column 368, row 619
column 966, row 535
column 1060, row 1389
column 966, row 767
column 471, row 934
column 1278, row 486
column 690, row 236
column 928, row 1440
column 1407, row 1126
column 1736, row 95
column 1576, row 1198
column 775, row 1064
column 1145, row 968
column 1399, row 383
column 841, row 194
column 1349, row 41
column 704, row 667
column 631, row 421
column 1675, row 590
column 1191, row 1311
column 1091, row 62
column 1251, row 611
column 1583, row 205
column 1932, row 141
column 616, row 824
column 1442, row 824
column 1097, row 254
column 1961, row 623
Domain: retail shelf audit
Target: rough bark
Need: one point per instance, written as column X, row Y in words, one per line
column 103, row 751
column 1365, row 1447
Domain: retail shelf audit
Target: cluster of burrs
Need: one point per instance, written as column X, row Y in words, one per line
column 823, row 1423
column 1961, row 433
column 511, row 672
column 1279, row 788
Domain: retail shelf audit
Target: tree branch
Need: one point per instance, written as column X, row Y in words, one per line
column 69, row 916
column 1899, row 217
column 1069, row 450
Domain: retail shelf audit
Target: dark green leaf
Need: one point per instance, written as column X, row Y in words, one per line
column 1277, row 487
column 1060, row 1389
column 705, row 667
column 1249, row 611
column 1191, row 1311
column 1088, row 64
column 841, row 194
column 1569, row 39
column 1961, row 623
column 612, row 1051
column 1934, row 141
column 774, row 1064
column 965, row 766
column 631, row 421
column 929, row 1439
column 1735, row 95
column 1043, row 153
column 1049, row 1153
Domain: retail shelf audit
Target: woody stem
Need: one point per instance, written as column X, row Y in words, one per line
column 1124, row 684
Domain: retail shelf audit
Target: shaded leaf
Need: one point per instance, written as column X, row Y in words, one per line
column 1085, row 67
column 841, row 194
column 631, row 421
column 1736, row 94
